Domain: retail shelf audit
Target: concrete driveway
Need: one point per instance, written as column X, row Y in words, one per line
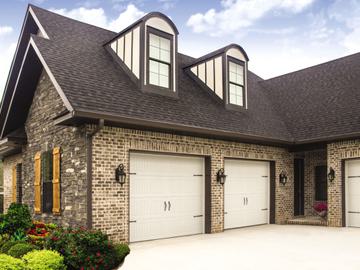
column 277, row 247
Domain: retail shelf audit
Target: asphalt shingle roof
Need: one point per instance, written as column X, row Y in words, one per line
column 317, row 102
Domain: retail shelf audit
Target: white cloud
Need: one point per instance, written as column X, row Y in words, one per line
column 131, row 14
column 97, row 16
column 347, row 12
column 238, row 14
column 5, row 30
column 6, row 56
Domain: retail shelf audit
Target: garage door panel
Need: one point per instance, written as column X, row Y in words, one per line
column 249, row 180
column 166, row 192
column 352, row 190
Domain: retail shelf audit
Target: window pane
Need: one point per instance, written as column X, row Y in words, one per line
column 165, row 44
column 236, row 94
column 236, row 73
column 154, row 66
column 165, row 56
column 154, row 78
column 164, row 69
column 154, row 52
column 164, row 81
column 154, row 40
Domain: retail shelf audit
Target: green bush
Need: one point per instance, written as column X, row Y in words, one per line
column 44, row 260
column 122, row 250
column 20, row 249
column 16, row 219
column 9, row 244
column 9, row 263
column 84, row 249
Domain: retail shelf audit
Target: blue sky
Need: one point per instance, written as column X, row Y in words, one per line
column 279, row 36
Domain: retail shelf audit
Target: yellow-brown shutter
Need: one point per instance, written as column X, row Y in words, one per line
column 37, row 183
column 14, row 184
column 56, row 181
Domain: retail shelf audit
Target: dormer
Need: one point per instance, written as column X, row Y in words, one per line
column 147, row 50
column 224, row 73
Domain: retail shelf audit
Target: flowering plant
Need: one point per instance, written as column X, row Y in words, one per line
column 320, row 207
column 39, row 231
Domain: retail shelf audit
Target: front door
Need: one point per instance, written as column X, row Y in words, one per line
column 298, row 186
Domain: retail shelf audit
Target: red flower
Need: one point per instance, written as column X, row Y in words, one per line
column 98, row 254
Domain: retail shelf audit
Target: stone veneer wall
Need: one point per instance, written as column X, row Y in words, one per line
column 112, row 146
column 312, row 159
column 337, row 152
column 43, row 135
column 7, row 174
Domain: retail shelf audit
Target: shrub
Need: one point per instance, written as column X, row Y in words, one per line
column 84, row 249
column 9, row 263
column 122, row 250
column 38, row 232
column 44, row 260
column 20, row 249
column 16, row 219
column 9, row 244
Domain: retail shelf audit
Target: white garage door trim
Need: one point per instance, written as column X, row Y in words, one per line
column 162, row 209
column 352, row 192
column 239, row 210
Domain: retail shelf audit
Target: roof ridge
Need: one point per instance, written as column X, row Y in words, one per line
column 314, row 66
column 63, row 16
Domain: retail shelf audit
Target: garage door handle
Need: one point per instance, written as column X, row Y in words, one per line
column 244, row 200
column 247, row 201
column 165, row 205
column 132, row 221
column 264, row 209
column 198, row 216
column 354, row 176
column 169, row 205
column 353, row 212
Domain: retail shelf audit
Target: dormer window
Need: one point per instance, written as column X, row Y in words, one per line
column 160, row 60
column 236, row 82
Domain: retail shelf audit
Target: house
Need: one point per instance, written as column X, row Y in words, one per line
column 121, row 132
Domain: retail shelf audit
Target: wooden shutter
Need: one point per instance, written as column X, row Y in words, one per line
column 14, row 184
column 37, row 183
column 56, row 181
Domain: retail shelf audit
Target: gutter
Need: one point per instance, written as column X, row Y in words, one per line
column 88, row 142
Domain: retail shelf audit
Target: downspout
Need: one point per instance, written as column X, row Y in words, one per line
column 89, row 140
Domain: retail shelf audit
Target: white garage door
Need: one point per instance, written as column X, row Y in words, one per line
column 246, row 193
column 352, row 191
column 166, row 196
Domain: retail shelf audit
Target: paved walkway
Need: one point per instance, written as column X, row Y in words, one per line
column 270, row 247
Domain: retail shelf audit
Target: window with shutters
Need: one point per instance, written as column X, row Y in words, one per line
column 47, row 182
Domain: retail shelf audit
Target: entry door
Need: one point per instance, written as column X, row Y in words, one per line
column 298, row 186
column 166, row 196
column 246, row 192
column 352, row 190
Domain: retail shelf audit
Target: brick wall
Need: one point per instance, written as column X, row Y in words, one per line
column 336, row 153
column 111, row 146
column 8, row 165
column 43, row 135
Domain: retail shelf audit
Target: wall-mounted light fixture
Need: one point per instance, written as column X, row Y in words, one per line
column 120, row 174
column 283, row 178
column 220, row 176
column 331, row 174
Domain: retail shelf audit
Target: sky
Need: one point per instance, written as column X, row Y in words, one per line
column 279, row 36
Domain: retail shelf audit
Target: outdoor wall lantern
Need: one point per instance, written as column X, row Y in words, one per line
column 283, row 178
column 220, row 176
column 120, row 175
column 331, row 174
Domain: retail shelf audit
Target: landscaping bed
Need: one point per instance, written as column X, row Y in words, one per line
column 34, row 245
